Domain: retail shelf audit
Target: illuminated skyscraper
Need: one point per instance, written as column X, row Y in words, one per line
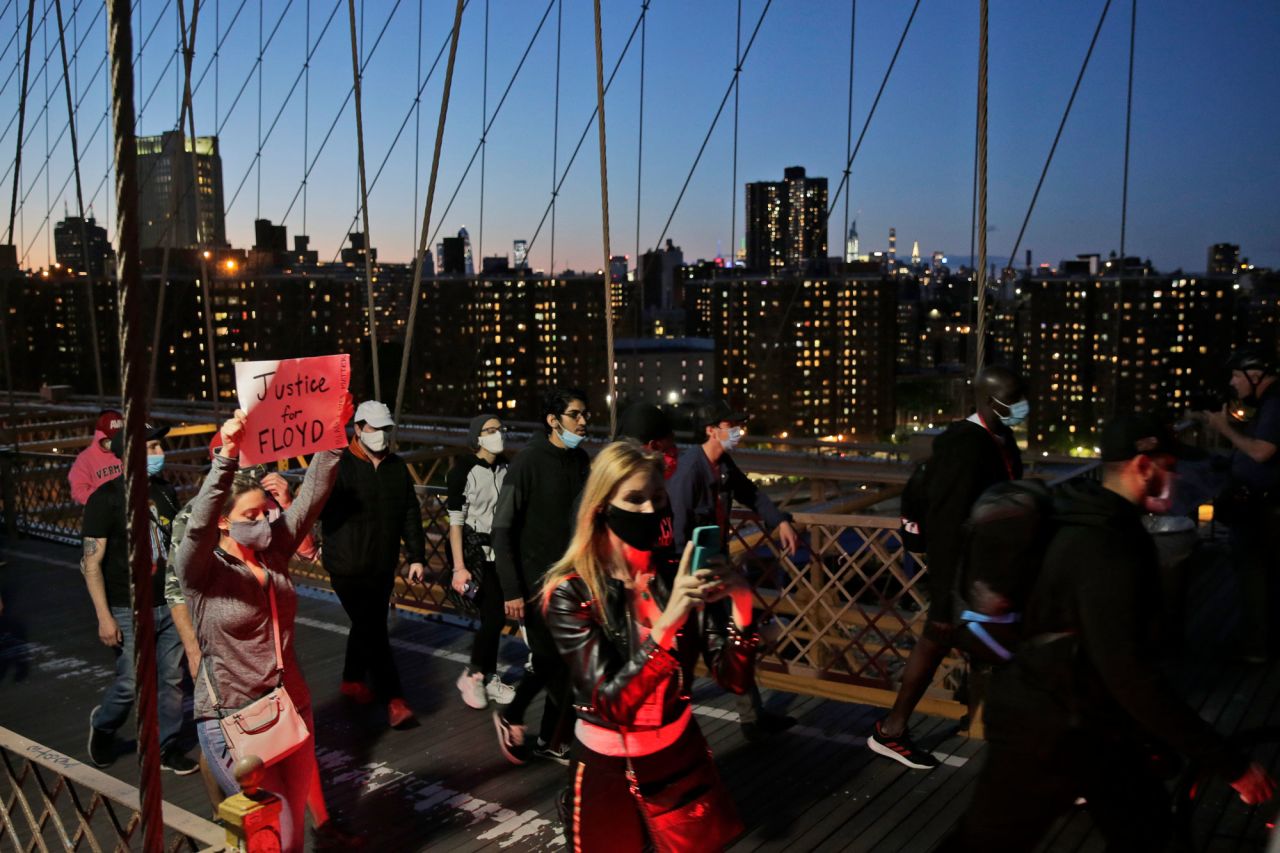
column 893, row 247
column 786, row 221
column 469, row 261
column 851, row 244
column 520, row 252
column 165, row 179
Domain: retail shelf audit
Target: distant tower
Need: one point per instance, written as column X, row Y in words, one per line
column 893, row 247
column 521, row 251
column 851, row 245
column 915, row 254
column 466, row 245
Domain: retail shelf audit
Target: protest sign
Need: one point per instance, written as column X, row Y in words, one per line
column 294, row 406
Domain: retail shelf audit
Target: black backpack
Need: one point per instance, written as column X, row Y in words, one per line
column 914, row 508
column 1006, row 537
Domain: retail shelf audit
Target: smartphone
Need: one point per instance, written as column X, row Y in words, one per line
column 706, row 544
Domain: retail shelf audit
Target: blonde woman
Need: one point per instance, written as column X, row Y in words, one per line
column 631, row 640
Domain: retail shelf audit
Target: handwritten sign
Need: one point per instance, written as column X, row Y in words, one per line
column 294, row 406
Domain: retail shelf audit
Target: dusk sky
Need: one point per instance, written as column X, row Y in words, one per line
column 1205, row 122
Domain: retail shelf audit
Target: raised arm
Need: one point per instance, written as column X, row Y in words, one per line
column 296, row 522
column 193, row 562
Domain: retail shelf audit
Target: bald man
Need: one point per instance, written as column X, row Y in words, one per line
column 968, row 458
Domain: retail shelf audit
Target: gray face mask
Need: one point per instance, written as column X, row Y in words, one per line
column 254, row 535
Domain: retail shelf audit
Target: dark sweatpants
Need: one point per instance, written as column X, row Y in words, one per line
column 550, row 674
column 484, row 649
column 366, row 600
column 1023, row 788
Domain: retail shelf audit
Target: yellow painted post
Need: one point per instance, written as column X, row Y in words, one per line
column 252, row 817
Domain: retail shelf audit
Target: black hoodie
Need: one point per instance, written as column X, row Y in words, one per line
column 1100, row 585
column 533, row 522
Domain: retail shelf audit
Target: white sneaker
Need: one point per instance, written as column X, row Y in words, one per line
column 471, row 686
column 498, row 690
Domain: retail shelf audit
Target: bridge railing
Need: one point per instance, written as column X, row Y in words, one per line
column 51, row 801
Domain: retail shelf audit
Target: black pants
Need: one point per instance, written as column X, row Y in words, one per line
column 601, row 806
column 1024, row 787
column 484, row 651
column 366, row 600
column 1255, row 541
column 550, row 674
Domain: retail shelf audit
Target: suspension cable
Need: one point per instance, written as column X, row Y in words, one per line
column 871, row 114
column 306, row 112
column 133, row 355
column 555, row 149
column 606, row 277
column 426, row 215
column 733, row 181
column 364, row 205
column 644, row 7
column 417, row 123
column 732, row 84
column 981, row 155
column 22, row 117
column 1057, row 136
column 1128, row 121
column 848, row 129
column 484, row 111
column 84, row 231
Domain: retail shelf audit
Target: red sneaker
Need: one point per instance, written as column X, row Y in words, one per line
column 398, row 713
column 356, row 690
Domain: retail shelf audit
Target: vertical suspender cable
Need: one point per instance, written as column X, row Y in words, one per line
column 364, row 205
column 644, row 8
column 133, row 353
column 1128, row 119
column 733, row 198
column 1058, row 136
column 48, row 198
column 484, row 119
column 417, row 122
column 604, row 216
column 84, row 231
column 848, row 129
column 980, row 324
column 555, row 144
column 22, row 119
column 426, row 216
column 258, row 155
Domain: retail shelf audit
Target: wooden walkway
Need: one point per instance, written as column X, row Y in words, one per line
column 444, row 784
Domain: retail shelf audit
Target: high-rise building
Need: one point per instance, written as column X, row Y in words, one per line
column 786, row 225
column 166, row 183
column 915, row 254
column 1224, row 259
column 67, row 238
column 851, row 243
column 893, row 248
column 453, row 256
column 520, row 254
column 469, row 263
column 665, row 371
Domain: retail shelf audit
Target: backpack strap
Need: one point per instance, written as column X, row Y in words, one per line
column 974, row 622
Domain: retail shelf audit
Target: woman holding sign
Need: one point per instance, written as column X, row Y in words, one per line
column 234, row 569
column 642, row 773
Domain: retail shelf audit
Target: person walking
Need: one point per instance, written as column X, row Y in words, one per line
column 969, row 457
column 706, row 483
column 532, row 526
column 373, row 508
column 233, row 565
column 474, row 483
column 631, row 642
column 96, row 464
column 105, row 566
column 1075, row 713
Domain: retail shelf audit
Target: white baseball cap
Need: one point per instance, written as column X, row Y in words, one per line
column 375, row 414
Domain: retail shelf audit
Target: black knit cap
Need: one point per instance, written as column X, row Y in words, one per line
column 644, row 422
column 1127, row 436
column 477, row 424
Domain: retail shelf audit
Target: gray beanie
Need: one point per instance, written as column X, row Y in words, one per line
column 477, row 423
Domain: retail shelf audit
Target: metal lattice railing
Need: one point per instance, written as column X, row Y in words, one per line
column 51, row 801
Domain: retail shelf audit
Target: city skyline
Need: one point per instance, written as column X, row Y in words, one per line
column 1191, row 185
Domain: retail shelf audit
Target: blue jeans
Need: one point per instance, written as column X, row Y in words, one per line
column 117, row 701
column 290, row 778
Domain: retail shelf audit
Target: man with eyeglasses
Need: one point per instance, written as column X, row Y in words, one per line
column 532, row 526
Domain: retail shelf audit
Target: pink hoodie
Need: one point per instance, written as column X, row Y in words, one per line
column 93, row 467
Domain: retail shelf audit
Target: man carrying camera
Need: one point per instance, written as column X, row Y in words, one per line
column 1250, row 505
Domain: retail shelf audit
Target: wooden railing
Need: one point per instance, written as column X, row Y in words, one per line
column 51, row 801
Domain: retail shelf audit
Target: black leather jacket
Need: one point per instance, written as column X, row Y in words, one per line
column 613, row 674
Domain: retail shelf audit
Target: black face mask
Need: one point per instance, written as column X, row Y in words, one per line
column 640, row 530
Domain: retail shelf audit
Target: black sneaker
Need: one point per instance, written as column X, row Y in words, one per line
column 102, row 745
column 177, row 763
column 511, row 739
column 332, row 835
column 765, row 725
column 901, row 749
column 558, row 754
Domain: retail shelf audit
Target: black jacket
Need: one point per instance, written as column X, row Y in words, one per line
column 695, row 490
column 1099, row 594
column 368, row 514
column 613, row 673
column 534, row 519
column 966, row 461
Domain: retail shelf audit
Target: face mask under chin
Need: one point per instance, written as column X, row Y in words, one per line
column 571, row 439
column 1161, row 502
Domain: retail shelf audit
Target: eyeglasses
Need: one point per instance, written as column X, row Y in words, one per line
column 494, row 431
column 576, row 415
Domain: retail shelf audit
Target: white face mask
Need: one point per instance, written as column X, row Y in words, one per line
column 735, row 435
column 375, row 441
column 493, row 443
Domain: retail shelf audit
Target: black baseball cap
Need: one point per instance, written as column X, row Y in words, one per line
column 715, row 412
column 1127, row 436
column 152, row 432
column 644, row 422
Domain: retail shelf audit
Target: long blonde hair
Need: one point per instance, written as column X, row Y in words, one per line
column 589, row 553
